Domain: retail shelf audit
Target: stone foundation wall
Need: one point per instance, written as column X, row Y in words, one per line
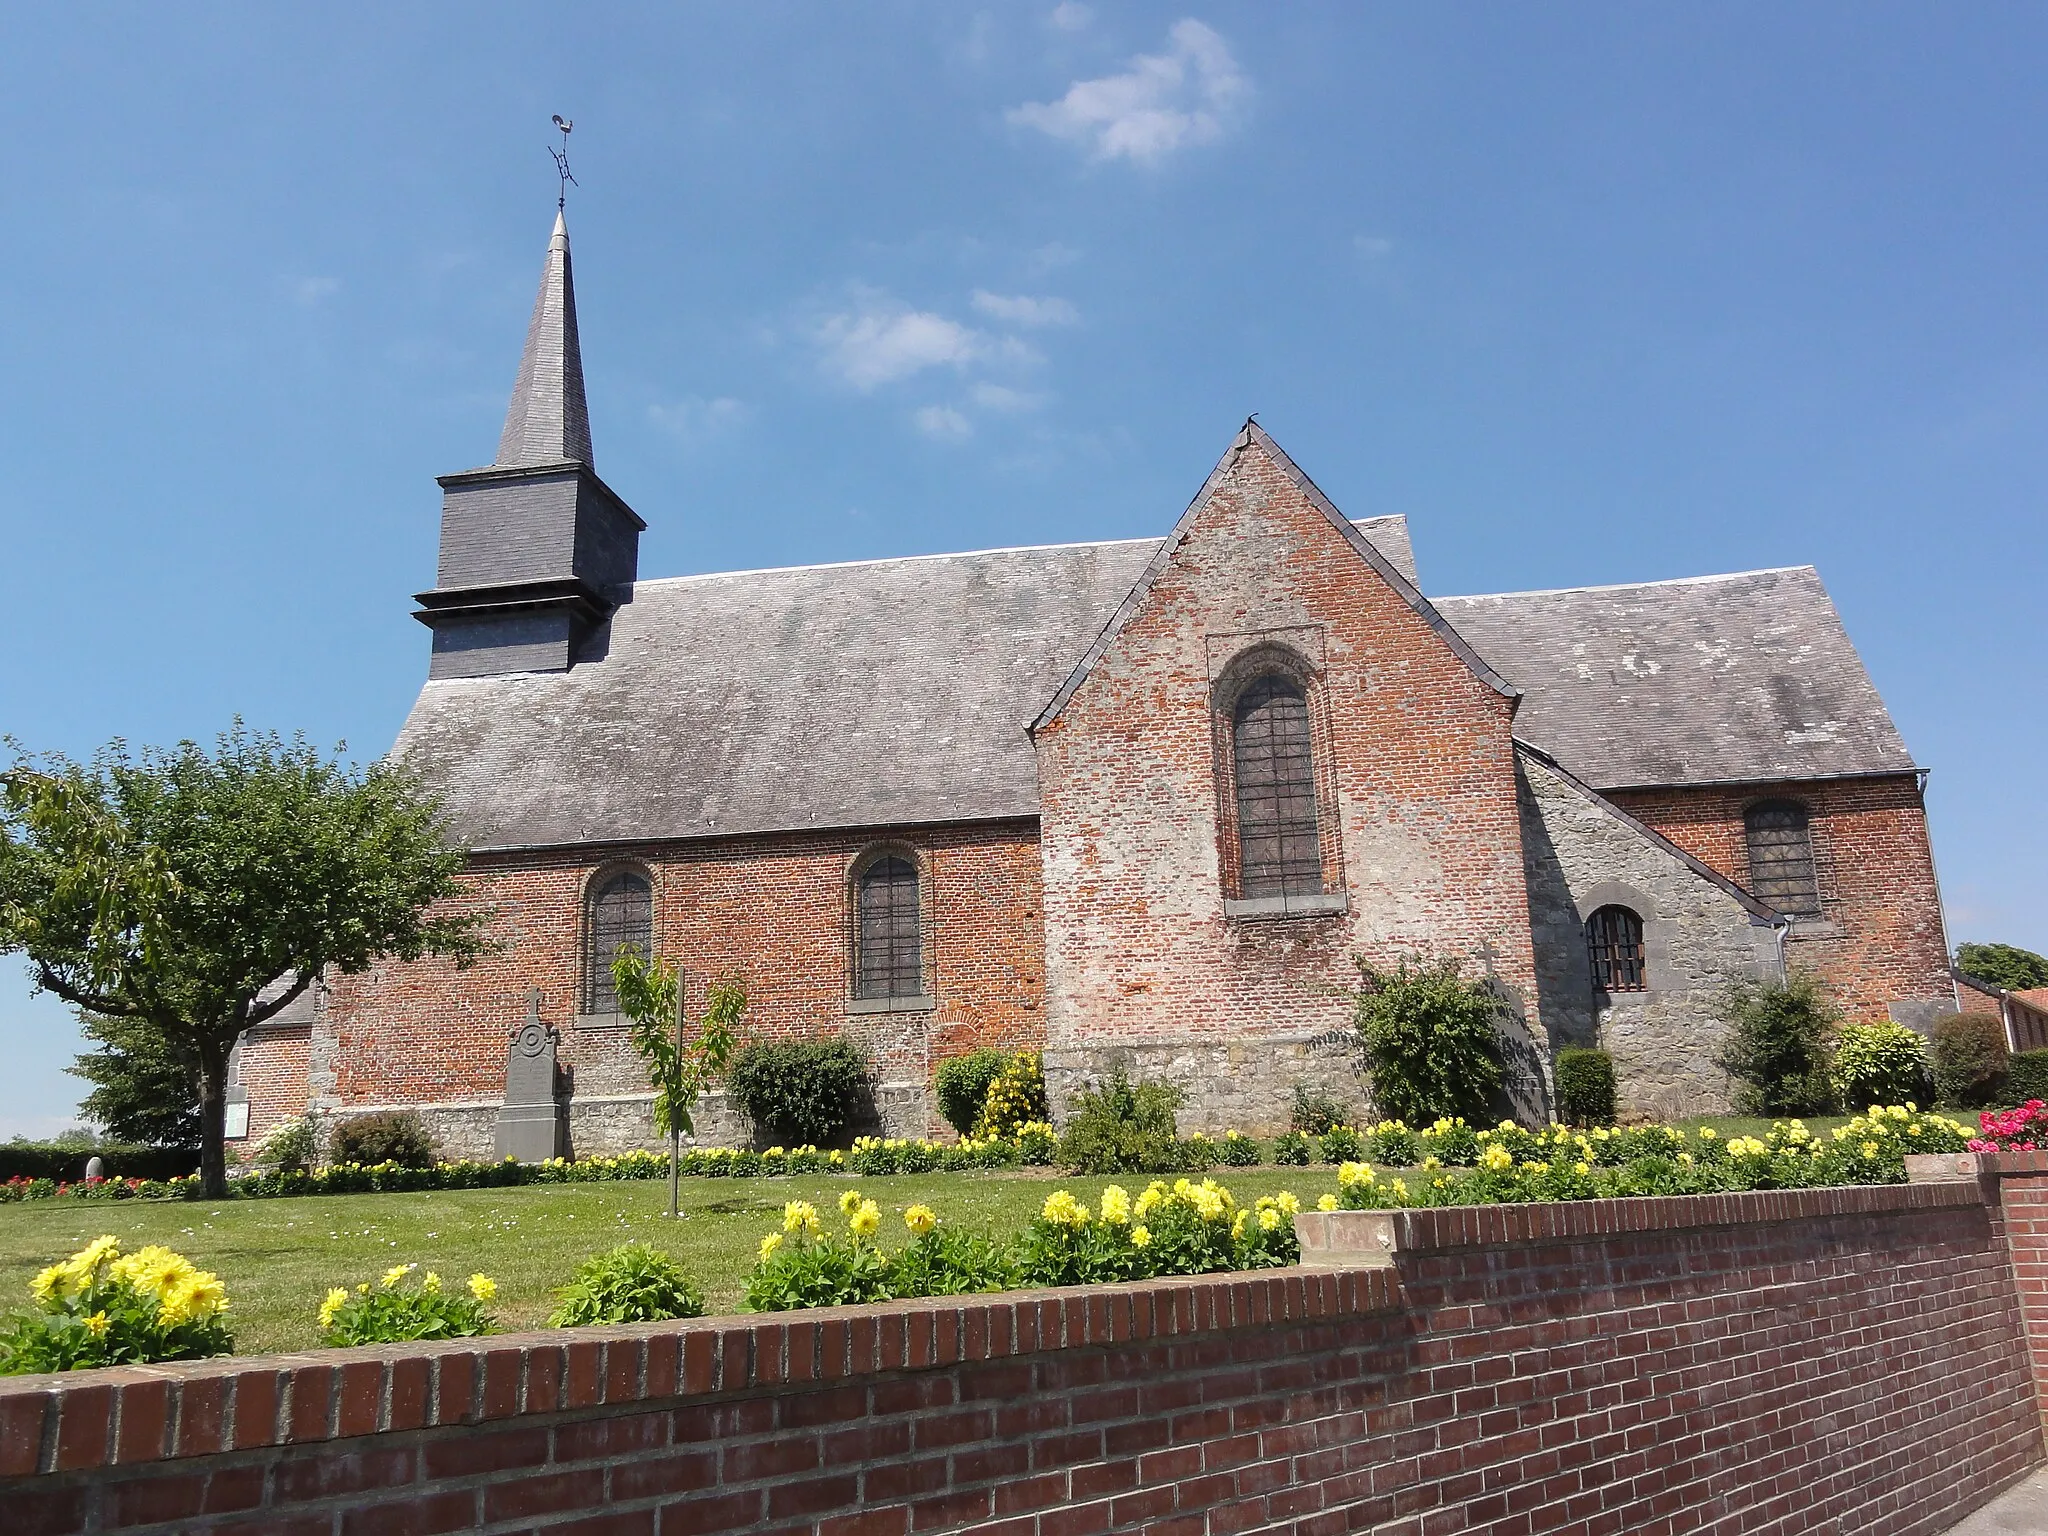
column 1242, row 1085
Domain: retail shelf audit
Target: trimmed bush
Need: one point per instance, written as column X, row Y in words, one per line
column 1879, row 1063
column 1777, row 1046
column 2026, row 1076
column 290, row 1148
column 633, row 1283
column 1124, row 1127
column 1969, row 1060
column 387, row 1136
column 64, row 1161
column 963, row 1084
column 1429, row 1037
column 802, row 1091
column 1585, row 1086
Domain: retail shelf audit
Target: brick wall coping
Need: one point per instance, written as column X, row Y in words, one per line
column 1347, row 1238
column 126, row 1415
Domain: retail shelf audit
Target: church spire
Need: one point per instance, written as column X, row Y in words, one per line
column 548, row 421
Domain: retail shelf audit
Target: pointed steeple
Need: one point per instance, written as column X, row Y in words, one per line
column 548, row 421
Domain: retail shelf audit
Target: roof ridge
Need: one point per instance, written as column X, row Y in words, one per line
column 1624, row 586
column 840, row 565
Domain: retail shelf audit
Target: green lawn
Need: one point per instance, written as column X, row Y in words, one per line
column 278, row 1257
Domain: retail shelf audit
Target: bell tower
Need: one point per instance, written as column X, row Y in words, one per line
column 536, row 551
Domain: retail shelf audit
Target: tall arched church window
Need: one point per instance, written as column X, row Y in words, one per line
column 1279, row 851
column 1781, row 858
column 888, row 958
column 1614, row 940
column 621, row 913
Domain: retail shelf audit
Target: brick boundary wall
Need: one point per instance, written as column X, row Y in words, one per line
column 1838, row 1360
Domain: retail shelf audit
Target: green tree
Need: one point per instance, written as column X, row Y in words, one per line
column 679, row 1065
column 145, row 1087
column 170, row 888
column 2003, row 965
column 1429, row 1038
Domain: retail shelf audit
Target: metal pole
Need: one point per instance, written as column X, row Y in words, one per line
column 675, row 1129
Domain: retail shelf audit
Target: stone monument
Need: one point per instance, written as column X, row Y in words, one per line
column 530, row 1125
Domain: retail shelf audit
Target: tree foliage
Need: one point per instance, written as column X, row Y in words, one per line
column 680, row 1066
column 145, row 1086
column 1777, row 1046
column 2003, row 965
column 1429, row 1038
column 171, row 888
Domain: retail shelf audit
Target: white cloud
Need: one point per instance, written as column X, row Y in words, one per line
column 696, row 420
column 311, row 290
column 1051, row 255
column 1000, row 397
column 942, row 421
column 1161, row 103
column 1372, row 247
column 1069, row 17
column 1019, row 309
column 884, row 340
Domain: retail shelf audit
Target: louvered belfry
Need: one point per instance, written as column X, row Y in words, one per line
column 536, row 550
column 1280, row 853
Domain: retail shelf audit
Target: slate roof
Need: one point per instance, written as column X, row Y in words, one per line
column 896, row 692
column 548, row 421
column 1713, row 679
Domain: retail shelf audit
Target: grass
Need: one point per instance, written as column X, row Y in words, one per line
column 278, row 1257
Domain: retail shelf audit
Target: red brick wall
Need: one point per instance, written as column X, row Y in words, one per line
column 773, row 910
column 1838, row 1360
column 1874, row 864
column 273, row 1067
column 1415, row 767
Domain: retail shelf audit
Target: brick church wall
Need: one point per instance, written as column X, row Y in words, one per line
column 1416, row 777
column 1880, row 944
column 772, row 910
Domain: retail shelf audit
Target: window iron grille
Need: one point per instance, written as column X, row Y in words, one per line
column 1279, row 847
column 621, row 913
column 1781, row 858
column 1614, row 939
column 888, row 958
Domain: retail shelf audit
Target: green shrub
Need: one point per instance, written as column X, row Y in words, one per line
column 1265, row 1236
column 63, row 1161
column 946, row 1261
column 801, row 1266
column 1879, row 1063
column 1969, row 1060
column 2026, row 1077
column 1237, row 1150
column 802, row 1090
column 385, row 1136
column 1392, row 1143
column 291, row 1147
column 1315, row 1111
column 103, row 1307
column 633, row 1283
column 1777, row 1046
column 1341, row 1144
column 1585, row 1086
column 393, row 1311
column 1429, row 1039
column 963, row 1084
column 1016, row 1098
column 1294, row 1149
column 1123, row 1127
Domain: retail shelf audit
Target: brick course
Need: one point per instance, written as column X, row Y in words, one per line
column 1848, row 1360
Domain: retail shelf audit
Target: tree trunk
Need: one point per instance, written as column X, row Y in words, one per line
column 675, row 1167
column 213, row 1121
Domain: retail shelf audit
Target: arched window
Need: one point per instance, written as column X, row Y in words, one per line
column 1279, row 852
column 1614, row 940
column 888, row 946
column 621, row 913
column 1781, row 858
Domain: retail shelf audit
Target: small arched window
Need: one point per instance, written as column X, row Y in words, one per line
column 1279, row 850
column 888, row 949
column 621, row 913
column 1614, row 940
column 1781, row 858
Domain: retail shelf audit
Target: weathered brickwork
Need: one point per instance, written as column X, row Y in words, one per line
column 1415, row 773
column 1814, row 1360
column 1697, row 937
column 774, row 911
column 1881, row 945
column 273, row 1064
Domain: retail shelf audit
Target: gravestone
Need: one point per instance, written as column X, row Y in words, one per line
column 530, row 1126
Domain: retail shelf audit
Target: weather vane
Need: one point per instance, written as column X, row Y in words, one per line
column 562, row 163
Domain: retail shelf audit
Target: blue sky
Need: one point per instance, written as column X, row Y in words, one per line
column 1591, row 293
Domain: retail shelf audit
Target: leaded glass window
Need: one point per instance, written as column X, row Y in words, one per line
column 1781, row 858
column 1279, row 850
column 1614, row 939
column 621, row 913
column 888, row 959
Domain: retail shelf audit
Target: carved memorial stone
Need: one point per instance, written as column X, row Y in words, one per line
column 531, row 1123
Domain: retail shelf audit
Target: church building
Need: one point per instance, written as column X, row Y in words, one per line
column 1140, row 800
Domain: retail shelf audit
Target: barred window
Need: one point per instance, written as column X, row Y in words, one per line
column 888, row 958
column 1279, row 852
column 621, row 913
column 1781, row 858
column 1614, row 939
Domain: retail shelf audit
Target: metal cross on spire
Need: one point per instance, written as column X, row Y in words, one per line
column 562, row 164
